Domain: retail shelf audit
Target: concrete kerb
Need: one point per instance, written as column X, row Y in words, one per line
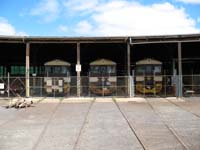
column 174, row 99
column 133, row 99
column 72, row 99
column 89, row 99
column 66, row 100
column 190, row 99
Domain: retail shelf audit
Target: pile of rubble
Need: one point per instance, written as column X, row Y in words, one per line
column 20, row 102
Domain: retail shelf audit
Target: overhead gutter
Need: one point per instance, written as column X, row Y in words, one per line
column 134, row 41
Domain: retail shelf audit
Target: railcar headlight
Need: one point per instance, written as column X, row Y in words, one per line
column 93, row 79
column 139, row 78
column 158, row 78
column 67, row 79
column 112, row 79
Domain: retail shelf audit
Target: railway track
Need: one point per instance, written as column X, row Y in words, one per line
column 129, row 124
column 182, row 108
column 46, row 125
column 172, row 131
column 82, row 127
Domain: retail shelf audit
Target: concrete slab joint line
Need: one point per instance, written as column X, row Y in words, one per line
column 132, row 128
column 84, row 122
column 45, row 127
column 168, row 127
column 183, row 108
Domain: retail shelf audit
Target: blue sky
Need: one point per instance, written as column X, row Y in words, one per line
column 99, row 17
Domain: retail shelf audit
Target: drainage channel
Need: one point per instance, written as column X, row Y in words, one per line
column 132, row 128
column 182, row 108
column 83, row 125
column 169, row 128
column 46, row 125
column 18, row 111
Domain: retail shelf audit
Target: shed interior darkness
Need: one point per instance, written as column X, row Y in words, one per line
column 191, row 58
column 112, row 51
column 41, row 53
column 165, row 53
column 14, row 54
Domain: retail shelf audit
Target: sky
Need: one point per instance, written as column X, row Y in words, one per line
column 74, row 18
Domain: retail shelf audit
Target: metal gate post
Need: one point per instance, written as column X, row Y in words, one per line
column 132, row 85
column 8, row 84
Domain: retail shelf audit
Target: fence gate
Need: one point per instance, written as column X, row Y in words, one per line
column 12, row 87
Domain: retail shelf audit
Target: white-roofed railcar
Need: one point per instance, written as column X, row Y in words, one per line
column 57, row 77
column 102, row 80
column 148, row 76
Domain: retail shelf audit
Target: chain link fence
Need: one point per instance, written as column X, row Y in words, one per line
column 191, row 85
column 62, row 87
column 156, row 86
column 12, row 86
column 117, row 86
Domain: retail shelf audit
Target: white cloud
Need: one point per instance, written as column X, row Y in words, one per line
column 121, row 17
column 21, row 33
column 83, row 27
column 7, row 29
column 190, row 1
column 63, row 28
column 198, row 19
column 78, row 5
column 47, row 9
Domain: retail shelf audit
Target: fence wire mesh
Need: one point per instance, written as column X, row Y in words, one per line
column 160, row 86
column 117, row 86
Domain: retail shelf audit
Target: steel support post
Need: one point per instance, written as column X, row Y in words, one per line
column 27, row 69
column 128, row 70
column 180, row 81
column 78, row 72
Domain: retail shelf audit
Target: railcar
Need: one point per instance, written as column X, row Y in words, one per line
column 148, row 76
column 102, row 77
column 57, row 77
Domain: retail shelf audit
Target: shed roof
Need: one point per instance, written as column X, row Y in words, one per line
column 116, row 39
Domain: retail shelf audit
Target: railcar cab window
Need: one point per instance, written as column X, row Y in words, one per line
column 157, row 70
column 103, row 70
column 57, row 71
column 148, row 70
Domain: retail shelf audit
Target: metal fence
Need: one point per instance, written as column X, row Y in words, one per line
column 120, row 86
column 191, row 85
column 12, row 86
column 156, row 86
column 59, row 88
